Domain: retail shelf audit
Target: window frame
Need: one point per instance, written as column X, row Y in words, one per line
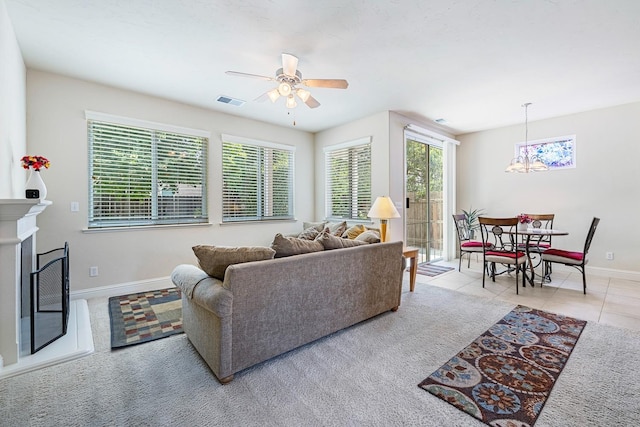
column 161, row 135
column 350, row 146
column 265, row 180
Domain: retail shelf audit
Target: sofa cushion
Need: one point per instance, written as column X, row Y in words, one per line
column 317, row 225
column 287, row 246
column 330, row 241
column 309, row 233
column 353, row 231
column 336, row 228
column 369, row 236
column 214, row 260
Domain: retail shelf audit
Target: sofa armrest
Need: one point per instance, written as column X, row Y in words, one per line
column 202, row 289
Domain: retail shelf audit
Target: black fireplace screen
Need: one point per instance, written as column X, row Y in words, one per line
column 49, row 299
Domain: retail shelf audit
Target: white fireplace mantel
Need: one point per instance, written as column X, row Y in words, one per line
column 17, row 223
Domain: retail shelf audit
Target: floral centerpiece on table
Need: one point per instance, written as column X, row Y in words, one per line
column 524, row 219
column 35, row 162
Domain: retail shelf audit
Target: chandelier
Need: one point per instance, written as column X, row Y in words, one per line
column 525, row 164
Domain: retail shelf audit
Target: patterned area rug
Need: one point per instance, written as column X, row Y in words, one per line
column 144, row 317
column 505, row 376
column 432, row 270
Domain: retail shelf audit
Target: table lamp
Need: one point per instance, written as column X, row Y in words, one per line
column 383, row 209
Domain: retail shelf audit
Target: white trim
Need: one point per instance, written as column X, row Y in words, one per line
column 610, row 272
column 354, row 143
column 431, row 134
column 256, row 142
column 123, row 288
column 424, row 139
column 127, row 121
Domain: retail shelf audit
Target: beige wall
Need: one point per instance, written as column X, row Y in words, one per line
column 12, row 111
column 376, row 127
column 604, row 183
column 57, row 129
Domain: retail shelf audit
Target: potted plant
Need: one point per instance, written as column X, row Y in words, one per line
column 471, row 219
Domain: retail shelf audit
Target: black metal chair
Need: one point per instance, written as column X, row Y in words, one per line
column 498, row 248
column 578, row 260
column 466, row 244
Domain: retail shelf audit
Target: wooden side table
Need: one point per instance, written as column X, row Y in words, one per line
column 411, row 254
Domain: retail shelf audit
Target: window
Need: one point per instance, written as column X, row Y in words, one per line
column 143, row 173
column 257, row 180
column 348, row 173
column 556, row 153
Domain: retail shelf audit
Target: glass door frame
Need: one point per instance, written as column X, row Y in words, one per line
column 448, row 146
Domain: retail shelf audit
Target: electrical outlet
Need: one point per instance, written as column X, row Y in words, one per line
column 93, row 271
column 609, row 256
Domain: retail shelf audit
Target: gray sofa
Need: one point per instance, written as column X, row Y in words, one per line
column 265, row 308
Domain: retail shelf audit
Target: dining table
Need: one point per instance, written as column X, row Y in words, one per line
column 528, row 234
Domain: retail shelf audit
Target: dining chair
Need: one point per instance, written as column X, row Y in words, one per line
column 498, row 249
column 577, row 260
column 466, row 244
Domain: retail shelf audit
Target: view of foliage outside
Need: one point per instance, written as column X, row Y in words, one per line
column 145, row 176
column 424, row 169
column 424, row 184
column 349, row 182
column 257, row 182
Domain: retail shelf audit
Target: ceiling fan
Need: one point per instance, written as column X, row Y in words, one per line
column 288, row 78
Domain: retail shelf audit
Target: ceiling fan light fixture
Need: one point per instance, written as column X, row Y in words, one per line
column 273, row 95
column 303, row 94
column 291, row 102
column 284, row 89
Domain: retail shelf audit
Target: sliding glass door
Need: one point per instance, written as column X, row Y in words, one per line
column 424, row 225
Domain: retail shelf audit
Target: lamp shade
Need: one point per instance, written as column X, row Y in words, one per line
column 383, row 208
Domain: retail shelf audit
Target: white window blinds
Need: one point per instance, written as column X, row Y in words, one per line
column 348, row 180
column 140, row 176
column 257, row 180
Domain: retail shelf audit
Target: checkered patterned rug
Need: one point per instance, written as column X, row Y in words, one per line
column 144, row 317
column 432, row 270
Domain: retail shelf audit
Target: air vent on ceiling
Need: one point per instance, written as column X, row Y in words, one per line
column 232, row 101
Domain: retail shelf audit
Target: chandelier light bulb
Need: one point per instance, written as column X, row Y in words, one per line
column 284, row 89
column 273, row 95
column 303, row 94
column 291, row 102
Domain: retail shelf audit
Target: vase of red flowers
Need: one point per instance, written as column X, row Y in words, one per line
column 523, row 222
column 35, row 182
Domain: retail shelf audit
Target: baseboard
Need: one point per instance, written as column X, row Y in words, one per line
column 123, row 288
column 618, row 274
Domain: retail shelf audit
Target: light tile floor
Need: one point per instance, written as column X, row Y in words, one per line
column 608, row 300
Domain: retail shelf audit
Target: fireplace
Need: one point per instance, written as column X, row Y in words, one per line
column 26, row 275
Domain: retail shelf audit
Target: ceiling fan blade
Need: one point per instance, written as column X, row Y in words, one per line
column 312, row 102
column 253, row 76
column 289, row 64
column 262, row 97
column 330, row 83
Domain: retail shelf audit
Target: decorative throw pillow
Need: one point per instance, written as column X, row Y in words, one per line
column 336, row 228
column 329, row 241
column 214, row 260
column 353, row 231
column 317, row 225
column 309, row 233
column 287, row 246
column 369, row 236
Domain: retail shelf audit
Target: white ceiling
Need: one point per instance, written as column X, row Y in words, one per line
column 471, row 62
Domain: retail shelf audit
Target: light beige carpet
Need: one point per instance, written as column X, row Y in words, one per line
column 366, row 375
